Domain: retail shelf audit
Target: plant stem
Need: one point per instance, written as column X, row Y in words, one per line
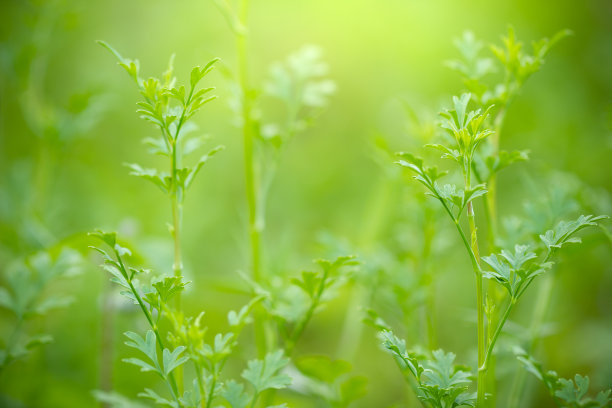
column 481, row 333
column 472, row 250
column 160, row 342
column 480, row 308
column 496, row 334
column 249, row 168
column 491, row 196
column 177, row 210
column 211, row 392
column 541, row 306
column 106, row 342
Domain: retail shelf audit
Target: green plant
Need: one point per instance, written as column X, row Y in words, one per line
column 187, row 340
column 26, row 296
column 169, row 107
column 301, row 87
column 473, row 143
column 566, row 393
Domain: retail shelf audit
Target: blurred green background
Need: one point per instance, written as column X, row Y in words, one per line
column 62, row 177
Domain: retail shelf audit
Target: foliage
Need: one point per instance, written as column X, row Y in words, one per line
column 566, row 392
column 439, row 382
column 26, row 296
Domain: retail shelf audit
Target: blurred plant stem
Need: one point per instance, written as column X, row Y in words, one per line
column 535, row 333
column 106, row 341
column 375, row 215
column 491, row 215
column 255, row 223
column 480, row 401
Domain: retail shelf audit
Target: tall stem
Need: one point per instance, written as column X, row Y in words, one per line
column 177, row 209
column 249, row 168
column 491, row 196
column 539, row 314
column 480, row 396
column 480, row 402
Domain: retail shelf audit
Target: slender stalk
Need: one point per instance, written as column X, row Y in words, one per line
column 375, row 217
column 255, row 223
column 481, row 382
column 106, row 342
column 490, row 199
column 480, row 402
column 211, row 391
column 430, row 303
column 472, row 249
column 496, row 334
column 541, row 307
column 160, row 342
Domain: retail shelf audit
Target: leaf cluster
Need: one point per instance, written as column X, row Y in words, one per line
column 567, row 393
column 170, row 107
column 24, row 294
column 510, row 57
column 454, row 200
column 261, row 375
column 440, row 383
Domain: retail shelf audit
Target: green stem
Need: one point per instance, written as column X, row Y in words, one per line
column 541, row 306
column 171, row 378
column 430, row 303
column 480, row 401
column 481, row 333
column 211, row 391
column 198, row 375
column 490, row 199
column 496, row 334
column 249, row 169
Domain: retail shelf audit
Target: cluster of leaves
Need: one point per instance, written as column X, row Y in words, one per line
column 300, row 84
column 467, row 131
column 293, row 311
column 517, row 64
column 439, row 382
column 516, row 270
column 24, row 293
column 301, row 87
column 567, row 393
column 454, row 200
column 187, row 340
column 170, row 107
